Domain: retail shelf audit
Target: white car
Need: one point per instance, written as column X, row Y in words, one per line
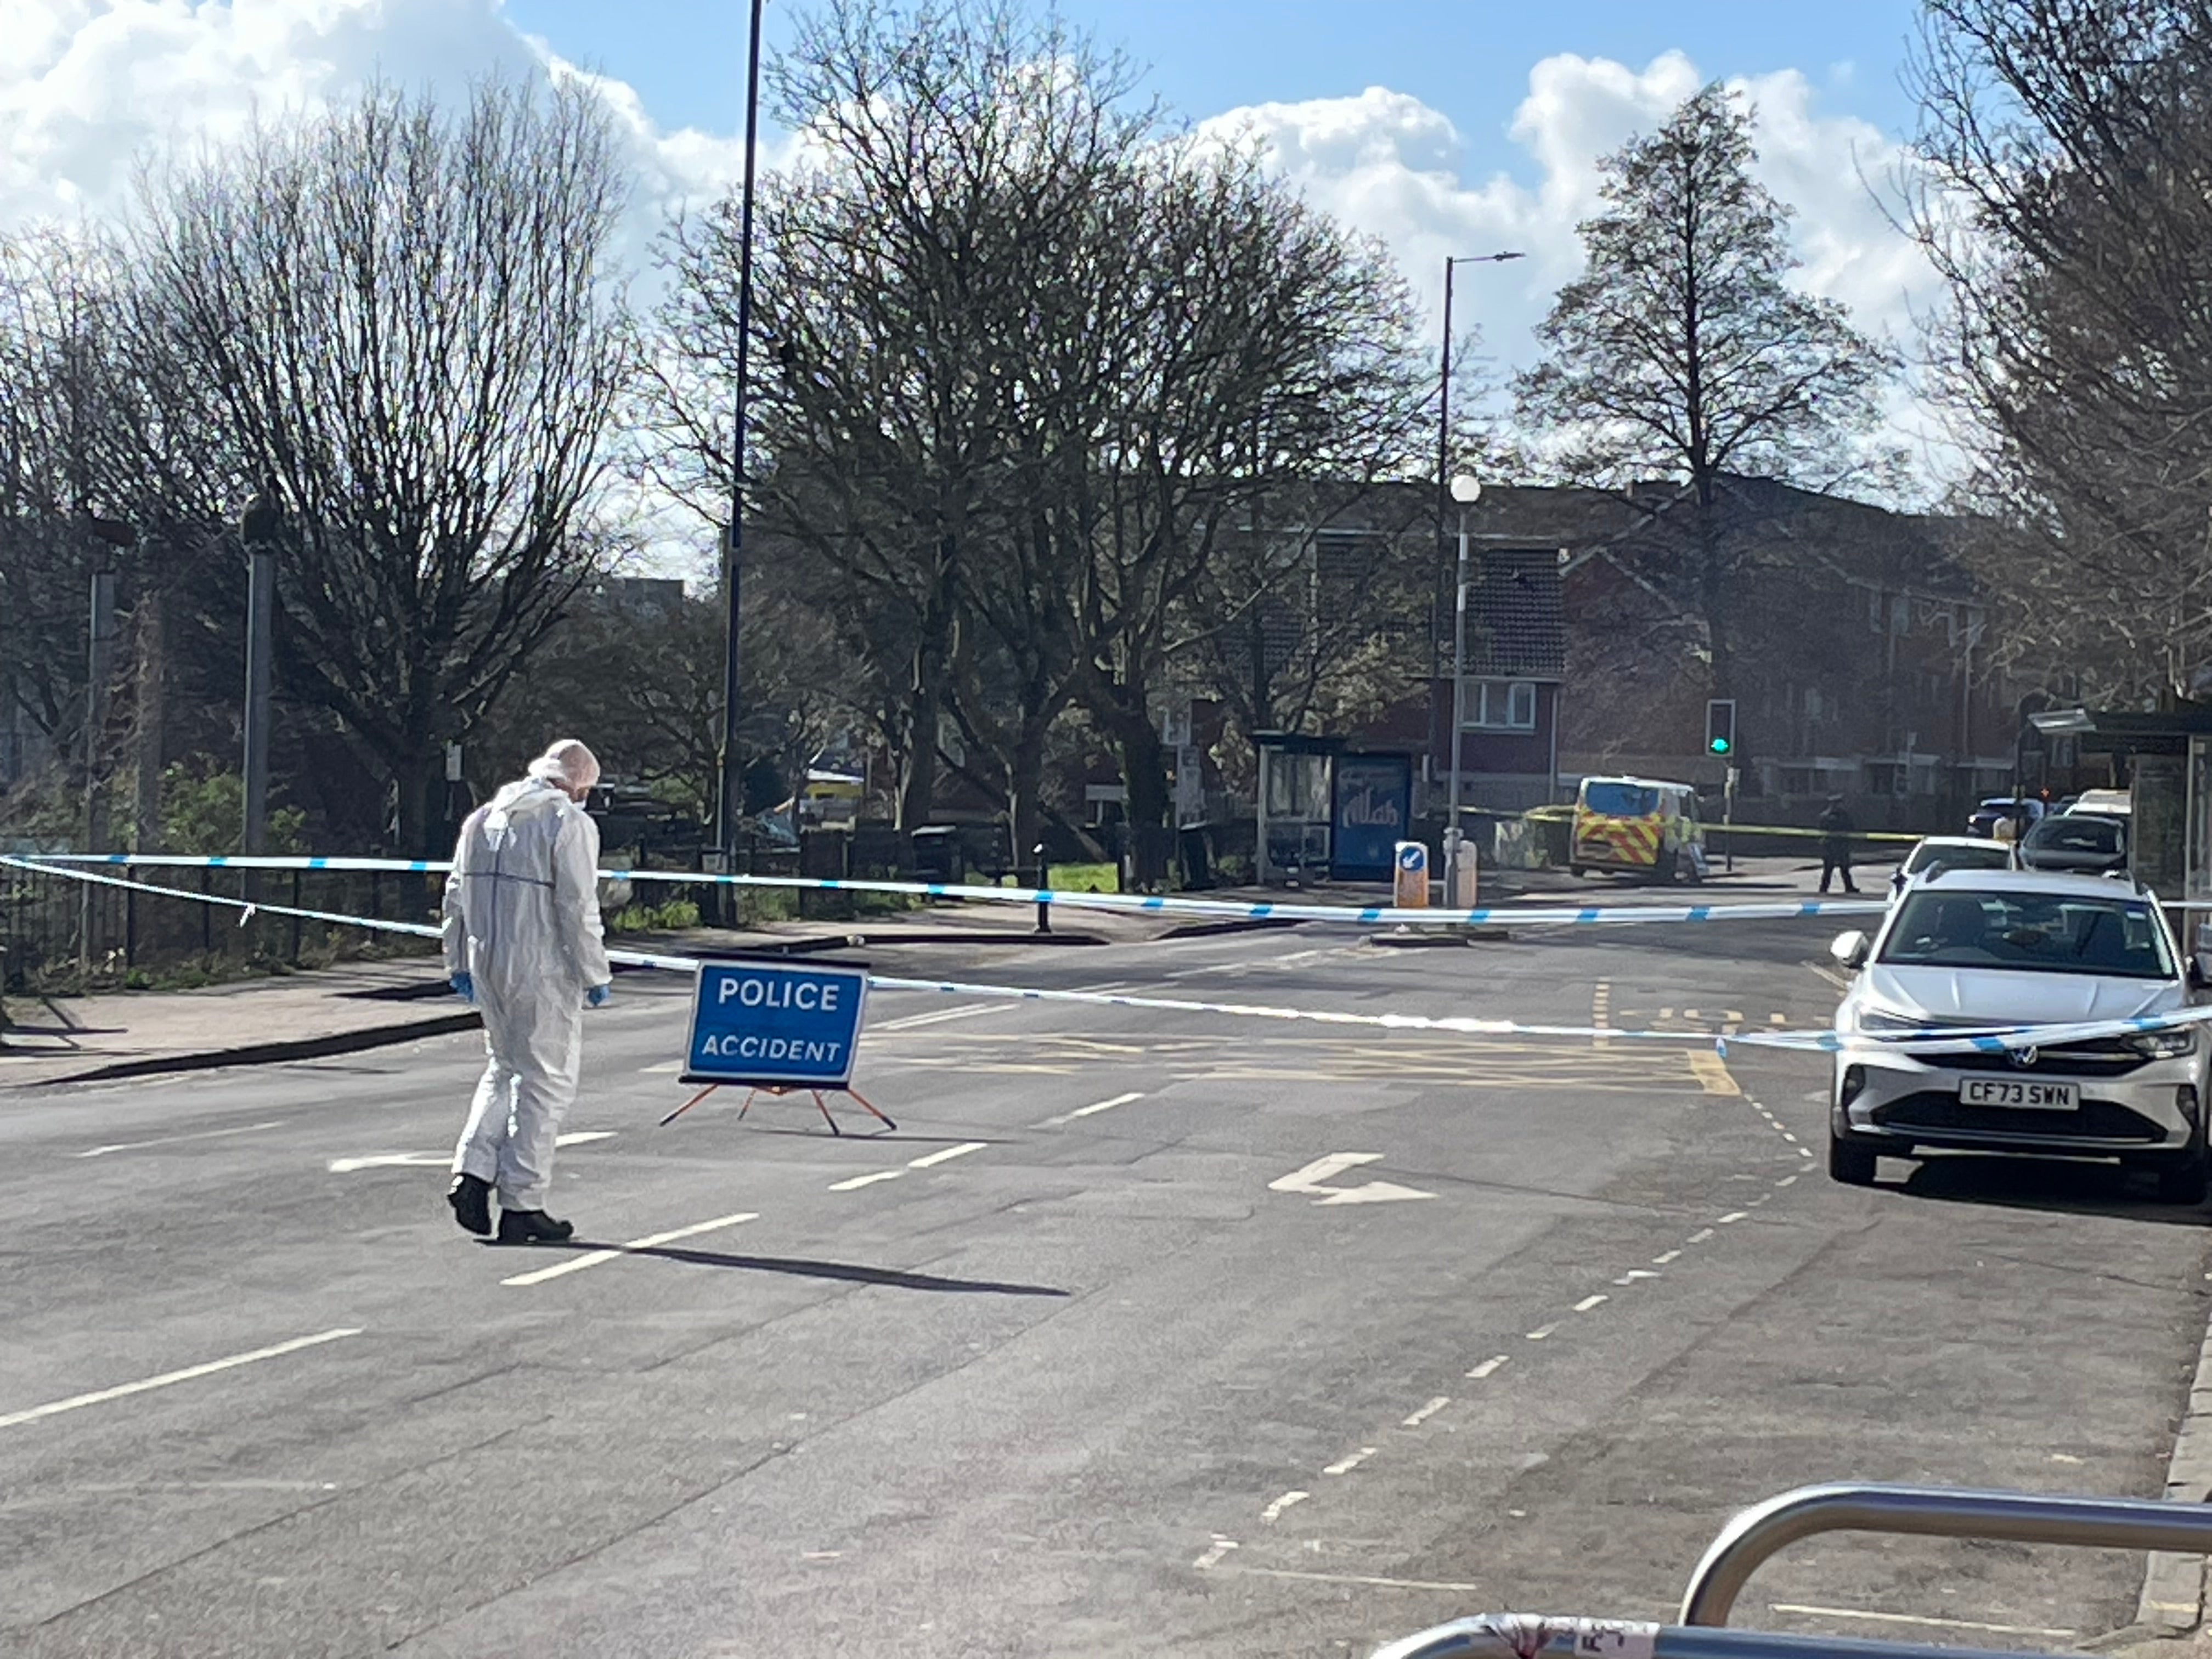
column 1996, row 948
column 1933, row 852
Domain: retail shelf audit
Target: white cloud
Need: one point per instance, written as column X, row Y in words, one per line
column 90, row 87
column 1391, row 166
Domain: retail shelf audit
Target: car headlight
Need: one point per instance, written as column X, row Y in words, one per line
column 2169, row 1044
column 1878, row 1019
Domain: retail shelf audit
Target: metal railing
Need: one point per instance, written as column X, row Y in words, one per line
column 1758, row 1533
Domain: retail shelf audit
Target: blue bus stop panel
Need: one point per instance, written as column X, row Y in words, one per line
column 774, row 1025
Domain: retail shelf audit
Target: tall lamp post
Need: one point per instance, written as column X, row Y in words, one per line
column 1466, row 491
column 259, row 527
column 730, row 806
column 1444, row 488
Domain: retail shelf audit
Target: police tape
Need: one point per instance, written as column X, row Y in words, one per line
column 1852, row 835
column 1134, row 904
column 1996, row 1039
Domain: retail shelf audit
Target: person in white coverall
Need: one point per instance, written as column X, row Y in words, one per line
column 523, row 944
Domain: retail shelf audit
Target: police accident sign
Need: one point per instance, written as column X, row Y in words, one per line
column 776, row 1024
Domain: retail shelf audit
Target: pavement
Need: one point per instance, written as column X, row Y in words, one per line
column 1143, row 1334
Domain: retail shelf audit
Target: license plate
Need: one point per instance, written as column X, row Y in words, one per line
column 2031, row 1096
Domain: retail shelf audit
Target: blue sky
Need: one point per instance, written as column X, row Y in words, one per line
column 1469, row 59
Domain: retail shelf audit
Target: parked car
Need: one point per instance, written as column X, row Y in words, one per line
column 2105, row 803
column 1988, row 949
column 1934, row 852
column 1984, row 819
column 2081, row 842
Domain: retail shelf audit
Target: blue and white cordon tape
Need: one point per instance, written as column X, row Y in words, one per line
column 1931, row 1040
column 1343, row 914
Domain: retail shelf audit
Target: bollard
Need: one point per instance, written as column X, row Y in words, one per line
column 1044, row 881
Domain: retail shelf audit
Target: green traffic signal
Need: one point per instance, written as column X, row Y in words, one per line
column 1720, row 745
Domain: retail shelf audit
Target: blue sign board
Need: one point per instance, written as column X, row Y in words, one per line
column 1373, row 807
column 776, row 1024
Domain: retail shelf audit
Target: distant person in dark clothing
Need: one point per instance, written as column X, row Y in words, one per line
column 1836, row 845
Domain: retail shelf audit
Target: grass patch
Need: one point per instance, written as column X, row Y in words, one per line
column 654, row 918
column 1085, row 878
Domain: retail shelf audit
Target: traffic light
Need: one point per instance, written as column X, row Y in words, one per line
column 1719, row 727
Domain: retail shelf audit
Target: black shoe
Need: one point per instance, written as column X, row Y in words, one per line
column 532, row 1227
column 471, row 1197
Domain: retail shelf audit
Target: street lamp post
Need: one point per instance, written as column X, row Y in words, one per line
column 259, row 526
column 1446, row 485
column 731, row 805
column 1466, row 491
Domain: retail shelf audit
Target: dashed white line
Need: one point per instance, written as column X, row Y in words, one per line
column 1787, row 1181
column 1699, row 1237
column 936, row 1017
column 1541, row 1332
column 592, row 1258
column 444, row 1160
column 1661, row 1261
column 1092, row 1110
column 1591, row 1301
column 178, row 1140
column 191, row 1373
column 1487, row 1366
column 1731, row 1219
column 931, row 1160
column 1350, row 1461
column 1426, row 1412
column 855, row 1183
column 1219, row 1547
column 1635, row 1273
column 1275, row 1509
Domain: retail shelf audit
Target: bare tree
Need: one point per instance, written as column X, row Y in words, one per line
column 406, row 320
column 1682, row 352
column 2066, row 144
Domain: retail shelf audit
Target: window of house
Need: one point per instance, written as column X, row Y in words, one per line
column 1502, row 705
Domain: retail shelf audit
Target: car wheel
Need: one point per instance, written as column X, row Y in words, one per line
column 1849, row 1162
column 1576, row 871
column 2183, row 1182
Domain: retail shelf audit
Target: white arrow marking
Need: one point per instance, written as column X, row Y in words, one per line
column 1309, row 1181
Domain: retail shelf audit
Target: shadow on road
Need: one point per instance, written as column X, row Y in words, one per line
column 801, row 1267
column 2061, row 1185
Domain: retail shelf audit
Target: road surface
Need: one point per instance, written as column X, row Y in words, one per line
column 1145, row 1333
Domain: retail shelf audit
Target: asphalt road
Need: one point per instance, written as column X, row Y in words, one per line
column 1112, row 1348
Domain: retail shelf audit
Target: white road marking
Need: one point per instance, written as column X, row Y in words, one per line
column 592, row 1258
column 1487, row 1366
column 1346, row 1578
column 1308, row 1181
column 667, row 1067
column 1426, row 1412
column 1275, row 1508
column 1661, row 1261
column 1220, row 1547
column 1787, row 1181
column 2063, row 1458
column 1731, row 1217
column 930, row 1161
column 100, row 1396
column 1912, row 1618
column 1635, row 1273
column 174, row 1140
column 937, row 1017
column 444, row 1160
column 1700, row 1235
column 858, row 1182
column 1590, row 1302
column 1092, row 1110
column 1541, row 1332
column 1350, row 1461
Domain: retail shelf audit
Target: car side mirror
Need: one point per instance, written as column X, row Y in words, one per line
column 1849, row 949
column 2196, row 976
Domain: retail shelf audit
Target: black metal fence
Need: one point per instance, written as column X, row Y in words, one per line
column 58, row 932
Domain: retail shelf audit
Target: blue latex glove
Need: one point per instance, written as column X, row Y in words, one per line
column 464, row 987
column 598, row 996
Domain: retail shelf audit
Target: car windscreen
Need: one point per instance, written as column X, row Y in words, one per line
column 1620, row 800
column 2076, row 834
column 2036, row 932
column 1977, row 855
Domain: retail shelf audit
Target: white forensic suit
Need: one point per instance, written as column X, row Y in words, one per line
column 522, row 920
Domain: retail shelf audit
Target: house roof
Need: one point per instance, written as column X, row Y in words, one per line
column 1516, row 616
